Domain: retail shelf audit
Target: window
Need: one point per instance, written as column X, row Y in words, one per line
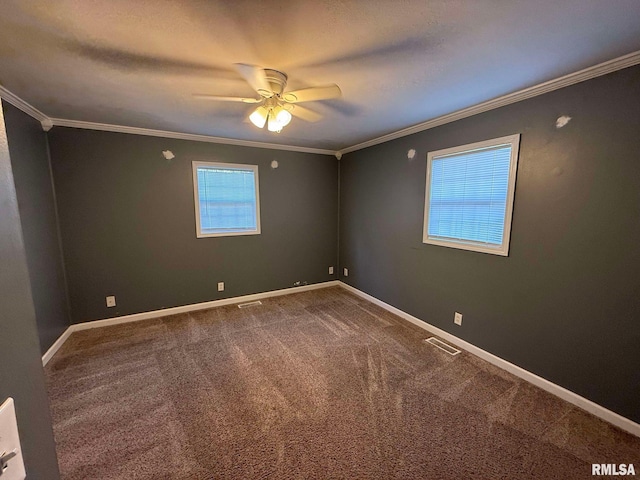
column 469, row 195
column 226, row 199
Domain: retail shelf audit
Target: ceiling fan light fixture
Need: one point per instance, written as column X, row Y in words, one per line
column 278, row 119
column 275, row 107
column 259, row 116
column 283, row 117
column 272, row 124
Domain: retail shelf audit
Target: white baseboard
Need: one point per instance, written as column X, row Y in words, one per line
column 199, row 306
column 56, row 345
column 561, row 392
column 136, row 317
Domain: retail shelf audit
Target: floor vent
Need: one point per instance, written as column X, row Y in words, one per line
column 442, row 346
column 250, row 304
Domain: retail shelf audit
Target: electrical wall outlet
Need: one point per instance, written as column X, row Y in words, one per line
column 221, row 286
column 11, row 462
column 330, row 270
column 345, row 271
column 111, row 301
column 457, row 318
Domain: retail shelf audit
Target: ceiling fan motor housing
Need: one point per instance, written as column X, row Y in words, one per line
column 277, row 81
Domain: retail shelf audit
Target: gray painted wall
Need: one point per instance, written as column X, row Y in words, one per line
column 128, row 223
column 36, row 201
column 21, row 375
column 565, row 304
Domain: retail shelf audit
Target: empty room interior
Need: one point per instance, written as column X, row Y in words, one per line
column 319, row 239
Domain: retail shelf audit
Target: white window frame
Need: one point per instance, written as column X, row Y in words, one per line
column 196, row 197
column 503, row 250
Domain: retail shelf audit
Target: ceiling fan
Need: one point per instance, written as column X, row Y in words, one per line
column 275, row 106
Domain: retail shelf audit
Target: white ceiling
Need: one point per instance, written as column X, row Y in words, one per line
column 398, row 62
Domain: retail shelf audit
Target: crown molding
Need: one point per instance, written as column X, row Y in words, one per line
column 61, row 122
column 26, row 107
column 48, row 123
column 594, row 71
column 580, row 76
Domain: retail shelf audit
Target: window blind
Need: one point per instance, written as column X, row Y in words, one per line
column 468, row 195
column 227, row 200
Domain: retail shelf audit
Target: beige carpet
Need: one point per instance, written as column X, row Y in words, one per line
column 316, row 385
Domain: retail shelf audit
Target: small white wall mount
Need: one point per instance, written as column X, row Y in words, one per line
column 11, row 461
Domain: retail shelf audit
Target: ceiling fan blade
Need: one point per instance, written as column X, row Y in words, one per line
column 227, row 99
column 313, row 93
column 256, row 77
column 398, row 51
column 138, row 62
column 304, row 113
